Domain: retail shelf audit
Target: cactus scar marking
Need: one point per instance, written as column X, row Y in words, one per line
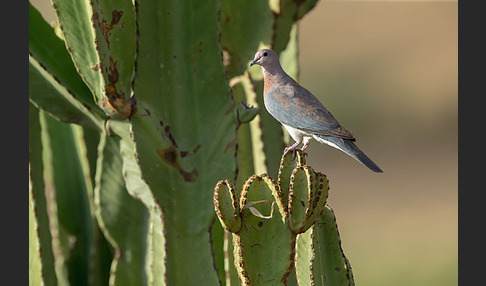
column 187, row 153
column 117, row 101
column 230, row 145
column 147, row 112
column 230, row 109
column 170, row 157
column 96, row 67
column 106, row 28
column 184, row 154
column 169, row 135
column 113, row 75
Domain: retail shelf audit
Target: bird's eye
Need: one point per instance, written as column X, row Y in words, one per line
column 265, row 54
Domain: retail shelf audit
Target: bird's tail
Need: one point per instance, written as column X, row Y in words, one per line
column 348, row 147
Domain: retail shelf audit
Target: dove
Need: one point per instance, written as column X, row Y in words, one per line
column 301, row 113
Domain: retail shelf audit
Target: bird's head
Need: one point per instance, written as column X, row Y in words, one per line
column 265, row 58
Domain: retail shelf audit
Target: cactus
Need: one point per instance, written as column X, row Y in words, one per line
column 137, row 108
column 329, row 264
column 267, row 220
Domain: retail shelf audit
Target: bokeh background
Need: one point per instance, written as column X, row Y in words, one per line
column 388, row 71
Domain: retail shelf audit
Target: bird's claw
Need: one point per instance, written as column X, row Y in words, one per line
column 294, row 152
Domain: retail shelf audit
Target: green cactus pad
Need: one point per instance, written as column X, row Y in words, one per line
column 317, row 199
column 264, row 249
column 267, row 220
column 307, row 197
column 287, row 164
column 226, row 206
column 329, row 264
column 302, row 187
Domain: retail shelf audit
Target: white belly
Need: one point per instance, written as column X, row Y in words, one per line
column 298, row 135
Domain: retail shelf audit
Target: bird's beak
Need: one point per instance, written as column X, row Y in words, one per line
column 254, row 62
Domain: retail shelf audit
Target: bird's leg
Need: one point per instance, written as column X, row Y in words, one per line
column 306, row 143
column 305, row 146
column 292, row 148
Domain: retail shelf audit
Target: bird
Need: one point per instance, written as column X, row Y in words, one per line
column 301, row 113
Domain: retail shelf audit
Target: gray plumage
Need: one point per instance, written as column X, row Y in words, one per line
column 301, row 113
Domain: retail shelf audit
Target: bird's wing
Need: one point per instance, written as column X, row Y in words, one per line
column 298, row 108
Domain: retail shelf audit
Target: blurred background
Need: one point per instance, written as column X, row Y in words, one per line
column 388, row 71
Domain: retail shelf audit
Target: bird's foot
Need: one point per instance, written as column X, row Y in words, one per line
column 292, row 148
column 287, row 149
column 294, row 151
column 306, row 144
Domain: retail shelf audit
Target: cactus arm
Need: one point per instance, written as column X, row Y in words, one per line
column 46, row 93
column 329, row 266
column 74, row 18
column 114, row 25
column 50, row 52
column 287, row 166
column 302, row 188
column 245, row 24
column 217, row 250
column 54, row 84
column 185, row 127
column 286, row 12
column 264, row 247
column 303, row 257
column 67, row 199
column 226, row 206
column 244, row 154
column 100, row 36
column 39, row 196
column 124, row 220
column 289, row 56
column 227, row 210
column 35, row 261
column 256, row 138
column 137, row 187
column 317, row 199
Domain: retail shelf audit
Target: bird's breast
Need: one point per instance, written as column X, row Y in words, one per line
column 282, row 97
